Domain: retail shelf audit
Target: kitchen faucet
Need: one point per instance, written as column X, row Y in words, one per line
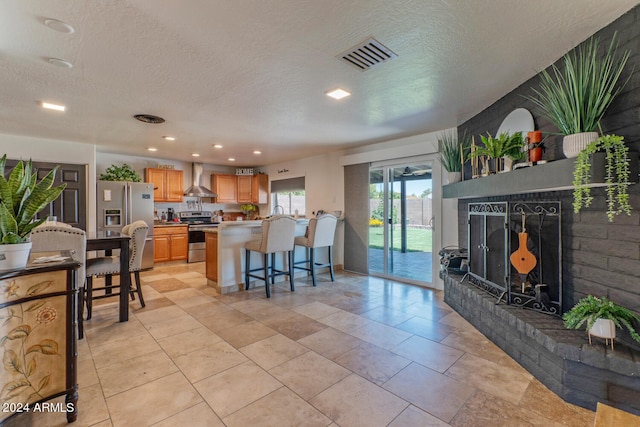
column 275, row 210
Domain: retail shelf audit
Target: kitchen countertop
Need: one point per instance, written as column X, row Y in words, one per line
column 169, row 224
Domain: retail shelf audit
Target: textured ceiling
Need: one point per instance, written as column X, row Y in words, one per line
column 251, row 74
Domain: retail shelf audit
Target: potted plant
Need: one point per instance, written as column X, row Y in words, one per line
column 21, row 199
column 247, row 209
column 575, row 99
column 616, row 175
column 601, row 315
column 505, row 145
column 454, row 151
column 120, row 173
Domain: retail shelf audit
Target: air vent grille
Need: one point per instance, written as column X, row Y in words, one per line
column 367, row 55
column 148, row 118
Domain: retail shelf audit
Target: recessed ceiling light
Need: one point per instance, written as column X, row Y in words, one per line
column 59, row 26
column 257, row 152
column 217, row 146
column 231, row 159
column 60, row 63
column 169, row 138
column 152, row 149
column 50, row 106
column 195, row 154
column 338, row 93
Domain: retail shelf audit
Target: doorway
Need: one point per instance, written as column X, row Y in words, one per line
column 401, row 220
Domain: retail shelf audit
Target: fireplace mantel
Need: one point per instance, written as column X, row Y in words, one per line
column 553, row 176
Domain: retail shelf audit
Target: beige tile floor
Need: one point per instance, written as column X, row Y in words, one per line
column 360, row 351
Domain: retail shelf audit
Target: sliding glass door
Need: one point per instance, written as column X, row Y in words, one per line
column 401, row 221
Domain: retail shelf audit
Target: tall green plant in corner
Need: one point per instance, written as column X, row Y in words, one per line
column 454, row 150
column 616, row 175
column 21, row 198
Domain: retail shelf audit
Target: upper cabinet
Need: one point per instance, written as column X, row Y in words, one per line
column 260, row 189
column 225, row 187
column 168, row 184
column 241, row 188
column 244, row 188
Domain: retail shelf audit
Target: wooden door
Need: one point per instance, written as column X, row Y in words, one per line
column 244, row 188
column 179, row 246
column 161, row 248
column 156, row 177
column 260, row 189
column 174, row 185
column 225, row 187
column 211, row 240
column 71, row 206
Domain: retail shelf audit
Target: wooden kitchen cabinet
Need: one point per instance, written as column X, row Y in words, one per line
column 260, row 189
column 168, row 184
column 245, row 184
column 211, row 240
column 225, row 186
column 170, row 243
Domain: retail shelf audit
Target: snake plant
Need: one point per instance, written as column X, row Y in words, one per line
column 21, row 198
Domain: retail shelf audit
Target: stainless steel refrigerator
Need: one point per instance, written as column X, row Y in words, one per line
column 121, row 203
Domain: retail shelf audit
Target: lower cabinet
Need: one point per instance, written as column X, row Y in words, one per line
column 170, row 243
column 211, row 240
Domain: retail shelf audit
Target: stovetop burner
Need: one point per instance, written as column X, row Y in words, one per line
column 196, row 217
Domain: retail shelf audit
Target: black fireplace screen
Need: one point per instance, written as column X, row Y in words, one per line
column 515, row 253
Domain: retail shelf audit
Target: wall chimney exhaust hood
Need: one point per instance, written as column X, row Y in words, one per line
column 197, row 190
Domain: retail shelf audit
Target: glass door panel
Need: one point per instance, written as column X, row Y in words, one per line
column 401, row 212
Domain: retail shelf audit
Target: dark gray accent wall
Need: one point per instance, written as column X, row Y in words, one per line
column 600, row 258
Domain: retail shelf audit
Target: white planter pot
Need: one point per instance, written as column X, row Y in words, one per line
column 14, row 256
column 603, row 328
column 454, row 177
column 572, row 145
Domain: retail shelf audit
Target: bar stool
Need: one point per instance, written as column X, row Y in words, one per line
column 277, row 236
column 320, row 234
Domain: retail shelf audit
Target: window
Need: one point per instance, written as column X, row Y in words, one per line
column 288, row 196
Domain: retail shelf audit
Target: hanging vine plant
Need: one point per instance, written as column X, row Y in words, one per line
column 616, row 175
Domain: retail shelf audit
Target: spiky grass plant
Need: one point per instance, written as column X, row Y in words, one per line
column 454, row 149
column 616, row 175
column 21, row 198
column 576, row 97
column 590, row 308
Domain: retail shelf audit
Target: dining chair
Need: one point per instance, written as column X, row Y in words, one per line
column 277, row 236
column 110, row 266
column 59, row 237
column 320, row 233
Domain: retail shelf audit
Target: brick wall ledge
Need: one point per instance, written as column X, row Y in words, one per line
column 562, row 359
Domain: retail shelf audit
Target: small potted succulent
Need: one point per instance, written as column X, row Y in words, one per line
column 21, row 199
column 601, row 316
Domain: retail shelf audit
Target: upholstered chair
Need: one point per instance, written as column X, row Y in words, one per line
column 320, row 234
column 277, row 236
column 110, row 265
column 57, row 236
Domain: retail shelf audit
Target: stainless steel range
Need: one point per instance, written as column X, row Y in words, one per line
column 197, row 222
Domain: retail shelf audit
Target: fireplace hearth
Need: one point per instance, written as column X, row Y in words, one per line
column 515, row 253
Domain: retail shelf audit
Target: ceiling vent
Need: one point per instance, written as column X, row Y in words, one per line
column 367, row 55
column 148, row 118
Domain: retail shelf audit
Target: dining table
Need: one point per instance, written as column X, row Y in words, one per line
column 108, row 240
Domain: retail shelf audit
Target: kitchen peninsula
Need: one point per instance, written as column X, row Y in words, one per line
column 225, row 252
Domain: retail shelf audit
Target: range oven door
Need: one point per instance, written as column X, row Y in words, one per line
column 197, row 251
